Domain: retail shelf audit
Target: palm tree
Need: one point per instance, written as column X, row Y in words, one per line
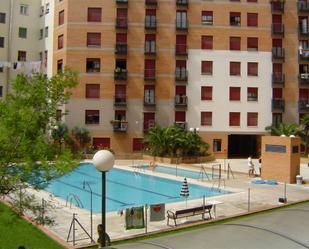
column 305, row 128
column 82, row 135
column 283, row 129
column 59, row 133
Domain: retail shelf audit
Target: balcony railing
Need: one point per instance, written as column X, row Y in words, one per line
column 303, row 79
column 181, row 50
column 122, row 1
column 277, row 6
column 278, row 53
column 120, row 125
column 182, row 124
column 151, row 2
column 278, row 105
column 278, row 78
column 121, row 49
column 181, row 74
column 150, row 50
column 121, row 22
column 182, row 25
column 302, row 7
column 303, row 106
column 303, row 32
column 182, row 2
column 303, row 54
column 150, row 23
column 120, row 74
column 181, row 100
column 149, row 101
column 120, row 100
column 277, row 29
column 149, row 74
column 148, row 125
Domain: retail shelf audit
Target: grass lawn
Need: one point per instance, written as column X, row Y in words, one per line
column 15, row 232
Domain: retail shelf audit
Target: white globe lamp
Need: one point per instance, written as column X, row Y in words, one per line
column 103, row 160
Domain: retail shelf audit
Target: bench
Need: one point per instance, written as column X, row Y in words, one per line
column 183, row 213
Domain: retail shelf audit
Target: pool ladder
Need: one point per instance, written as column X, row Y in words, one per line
column 73, row 197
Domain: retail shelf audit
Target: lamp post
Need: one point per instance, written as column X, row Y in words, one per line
column 85, row 183
column 103, row 161
column 194, row 129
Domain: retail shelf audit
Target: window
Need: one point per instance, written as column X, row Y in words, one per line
column 101, row 142
column 60, row 41
column 234, row 43
column 1, row 91
column 92, row 117
column 180, row 117
column 252, row 44
column 181, row 45
column 149, row 94
column 2, row 17
column 59, row 65
column 252, row 68
column 47, row 8
column 61, row 18
column 234, row 119
column 206, row 42
column 252, row 19
column 207, row 17
column 207, row 67
column 94, row 39
column 23, row 9
column 252, row 1
column 41, row 34
column 93, row 65
column 235, row 18
column 181, row 70
column 93, row 91
column 235, row 93
column 22, row 56
column 150, row 43
column 45, row 58
column 252, row 119
column 206, row 93
column 216, row 145
column 181, row 19
column 252, row 94
column 94, row 14
column 46, row 32
column 137, row 144
column 150, row 18
column 1, row 42
column 206, row 118
column 234, row 68
column 22, row 32
column 277, row 119
column 41, row 11
column 150, row 69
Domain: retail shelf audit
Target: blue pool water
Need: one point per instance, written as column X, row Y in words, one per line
column 123, row 188
column 178, row 172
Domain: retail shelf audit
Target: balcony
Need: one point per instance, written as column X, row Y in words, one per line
column 303, row 106
column 149, row 101
column 150, row 50
column 182, row 3
column 181, row 50
column 278, row 105
column 120, row 74
column 122, row 1
column 181, row 100
column 303, row 54
column 277, row 6
column 278, row 53
column 303, row 79
column 151, row 2
column 121, row 49
column 182, row 25
column 149, row 74
column 120, row 100
column 150, row 23
column 181, row 124
column 181, row 74
column 120, row 125
column 121, row 22
column 278, row 78
column 303, row 33
column 302, row 7
column 277, row 29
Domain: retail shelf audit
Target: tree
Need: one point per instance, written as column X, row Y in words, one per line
column 27, row 115
column 283, row 129
column 82, row 136
column 305, row 128
column 59, row 133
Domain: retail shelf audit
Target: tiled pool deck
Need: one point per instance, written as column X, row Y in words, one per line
column 262, row 197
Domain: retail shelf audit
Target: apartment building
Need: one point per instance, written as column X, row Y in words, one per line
column 26, row 39
column 225, row 68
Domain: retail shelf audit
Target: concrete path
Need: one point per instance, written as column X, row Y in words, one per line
column 284, row 229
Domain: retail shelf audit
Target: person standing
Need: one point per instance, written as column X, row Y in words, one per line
column 250, row 167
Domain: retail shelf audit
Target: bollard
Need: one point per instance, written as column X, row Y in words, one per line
column 248, row 200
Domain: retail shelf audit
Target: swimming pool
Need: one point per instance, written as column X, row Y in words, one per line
column 178, row 172
column 123, row 188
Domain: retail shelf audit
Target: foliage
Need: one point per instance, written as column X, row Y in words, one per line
column 174, row 141
column 17, row 232
column 305, row 129
column 283, row 129
column 28, row 155
column 81, row 135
